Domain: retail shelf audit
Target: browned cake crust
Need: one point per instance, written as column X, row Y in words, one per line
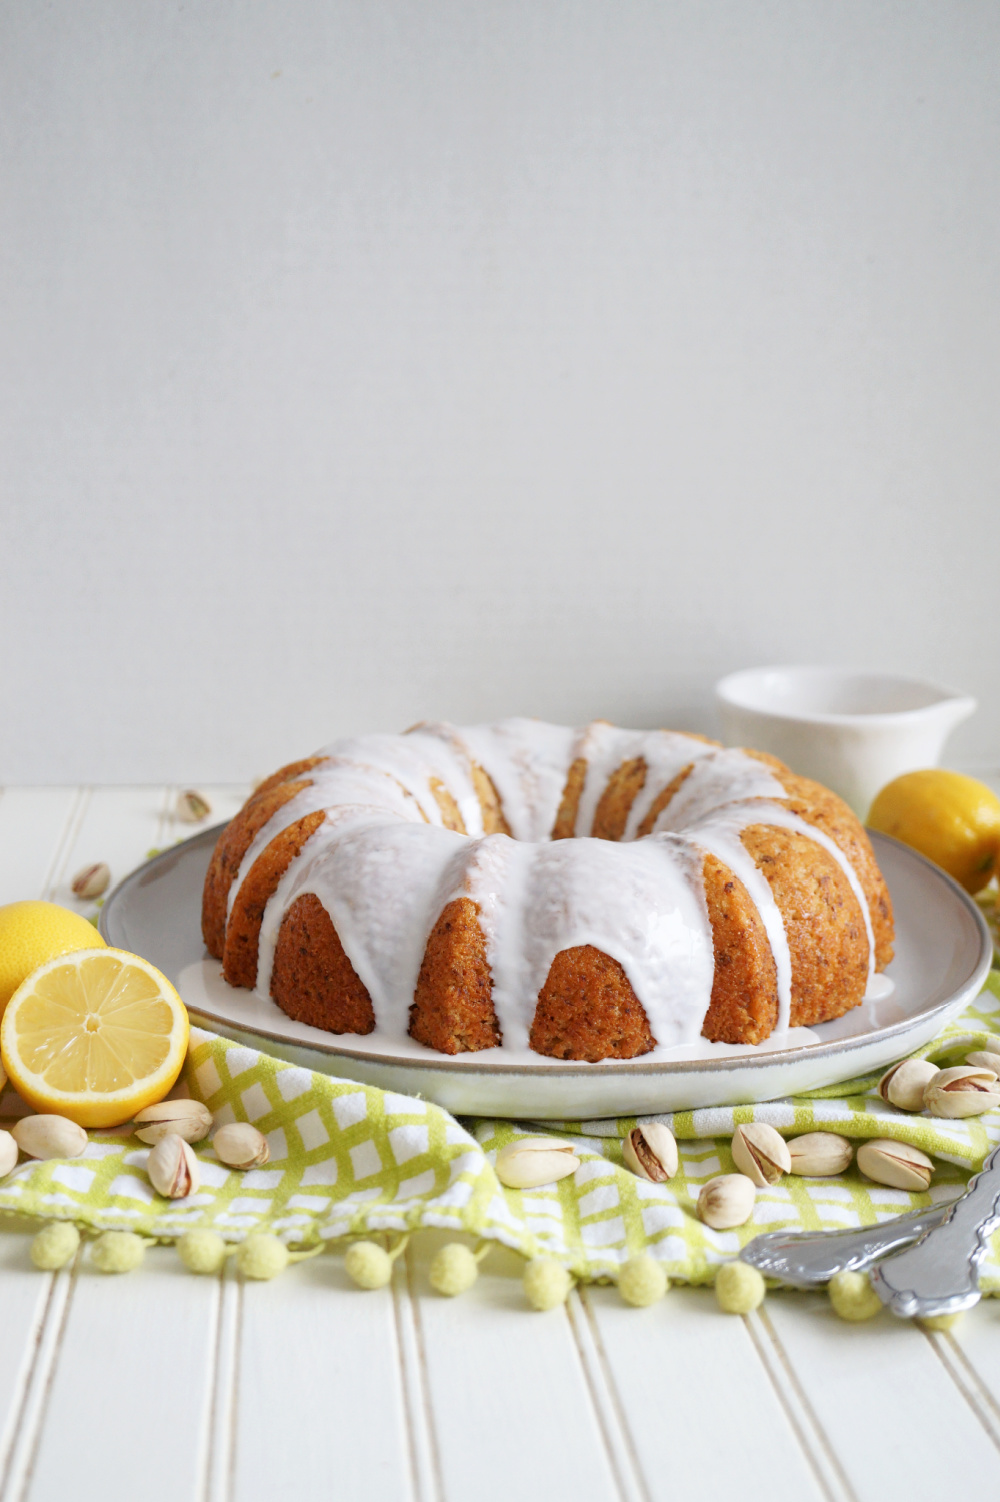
column 662, row 799
column 239, row 958
column 744, row 1004
column 588, row 1010
column 489, row 801
column 233, row 844
column 452, row 1007
column 821, row 808
column 285, row 774
column 311, row 978
column 450, row 814
column 621, row 791
column 569, row 803
column 823, row 922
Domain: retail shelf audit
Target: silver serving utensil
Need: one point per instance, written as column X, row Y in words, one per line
column 939, row 1274
column 804, row 1259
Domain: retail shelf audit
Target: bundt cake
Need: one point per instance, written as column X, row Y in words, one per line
column 589, row 894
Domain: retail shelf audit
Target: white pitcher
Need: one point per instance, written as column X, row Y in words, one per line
column 852, row 731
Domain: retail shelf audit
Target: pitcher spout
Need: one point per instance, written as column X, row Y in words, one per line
column 948, row 713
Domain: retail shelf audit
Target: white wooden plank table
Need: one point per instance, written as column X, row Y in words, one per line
column 161, row 1385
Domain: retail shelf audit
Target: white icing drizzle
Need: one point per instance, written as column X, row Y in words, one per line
column 720, row 778
column 379, row 879
column 526, row 761
column 720, row 836
column 335, row 784
column 384, row 866
column 666, row 753
column 448, row 761
column 641, row 904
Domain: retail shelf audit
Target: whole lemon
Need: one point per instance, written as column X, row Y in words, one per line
column 952, row 819
column 32, row 933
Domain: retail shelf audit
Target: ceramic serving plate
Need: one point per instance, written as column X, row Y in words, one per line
column 943, row 953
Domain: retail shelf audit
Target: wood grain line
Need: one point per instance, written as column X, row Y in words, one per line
column 623, row 1460
column 13, row 1427
column 32, row 1411
column 220, row 1448
column 968, row 1381
column 815, row 1444
column 66, row 841
column 206, row 1442
column 425, row 1461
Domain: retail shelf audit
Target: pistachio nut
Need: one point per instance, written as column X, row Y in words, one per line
column 49, row 1137
column 651, row 1152
column 532, row 1161
column 819, row 1155
column 240, row 1145
column 903, row 1085
column 964, row 1091
column 173, row 1168
column 895, row 1163
column 727, row 1201
column 985, row 1058
column 92, row 881
column 192, row 807
column 8, row 1154
column 761, row 1153
column 188, row 1118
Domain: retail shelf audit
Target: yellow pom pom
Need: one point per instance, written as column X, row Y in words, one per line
column 853, row 1296
column 642, row 1281
column 262, row 1257
column 454, row 1269
column 940, row 1321
column 368, row 1265
column 738, row 1288
column 546, row 1283
column 202, row 1251
column 55, row 1245
column 117, row 1251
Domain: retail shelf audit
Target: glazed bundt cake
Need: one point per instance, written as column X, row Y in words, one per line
column 589, row 894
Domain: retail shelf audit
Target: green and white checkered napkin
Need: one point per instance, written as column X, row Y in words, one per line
column 348, row 1160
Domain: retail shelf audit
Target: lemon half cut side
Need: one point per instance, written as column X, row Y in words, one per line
column 95, row 1035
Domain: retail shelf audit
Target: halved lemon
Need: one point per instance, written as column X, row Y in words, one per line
column 95, row 1035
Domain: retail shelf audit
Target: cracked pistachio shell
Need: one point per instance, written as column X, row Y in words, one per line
column 819, row 1155
column 761, row 1153
column 92, row 881
column 192, row 807
column 896, row 1164
column 240, row 1145
column 47, row 1136
column 188, row 1118
column 965, row 1091
column 8, row 1154
column 985, row 1059
column 727, row 1201
column 903, row 1085
column 532, row 1161
column 173, row 1168
column 650, row 1152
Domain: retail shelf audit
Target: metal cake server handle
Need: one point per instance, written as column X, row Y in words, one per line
column 803, row 1259
column 940, row 1273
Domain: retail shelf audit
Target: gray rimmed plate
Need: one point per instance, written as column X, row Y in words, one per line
column 943, row 954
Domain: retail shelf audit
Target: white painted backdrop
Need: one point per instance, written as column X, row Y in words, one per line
column 364, row 361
